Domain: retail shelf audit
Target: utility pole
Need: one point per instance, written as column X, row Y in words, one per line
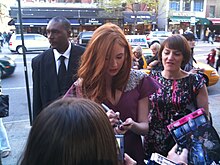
column 25, row 62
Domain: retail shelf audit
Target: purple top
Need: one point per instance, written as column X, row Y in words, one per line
column 139, row 86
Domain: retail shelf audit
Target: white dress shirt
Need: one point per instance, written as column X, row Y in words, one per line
column 65, row 54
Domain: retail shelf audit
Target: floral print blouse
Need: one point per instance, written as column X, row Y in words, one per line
column 168, row 104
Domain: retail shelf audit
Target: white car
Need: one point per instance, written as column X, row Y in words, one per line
column 157, row 36
column 137, row 40
column 32, row 42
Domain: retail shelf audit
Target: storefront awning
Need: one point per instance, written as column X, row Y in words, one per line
column 40, row 22
column 181, row 19
column 203, row 21
column 215, row 21
column 199, row 20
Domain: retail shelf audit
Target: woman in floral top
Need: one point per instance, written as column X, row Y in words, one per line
column 173, row 100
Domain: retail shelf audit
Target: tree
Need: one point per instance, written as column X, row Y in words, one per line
column 135, row 6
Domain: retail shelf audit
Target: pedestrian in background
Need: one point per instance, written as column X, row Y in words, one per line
column 105, row 76
column 5, row 147
column 139, row 61
column 8, row 37
column 190, row 37
column 53, row 70
column 4, row 36
column 1, row 40
column 75, row 132
column 211, row 57
column 182, row 93
column 212, row 37
column 206, row 35
column 153, row 63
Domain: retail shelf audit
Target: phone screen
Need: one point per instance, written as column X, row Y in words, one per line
column 120, row 143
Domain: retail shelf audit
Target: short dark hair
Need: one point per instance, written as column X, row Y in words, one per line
column 189, row 36
column 65, row 22
column 177, row 42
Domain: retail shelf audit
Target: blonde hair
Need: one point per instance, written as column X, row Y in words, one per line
column 156, row 46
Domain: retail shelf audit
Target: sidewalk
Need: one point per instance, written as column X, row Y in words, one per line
column 18, row 131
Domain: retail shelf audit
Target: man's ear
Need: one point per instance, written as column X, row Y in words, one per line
column 69, row 33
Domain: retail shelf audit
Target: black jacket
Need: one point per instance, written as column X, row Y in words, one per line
column 44, row 75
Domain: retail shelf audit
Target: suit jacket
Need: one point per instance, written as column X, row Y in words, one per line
column 45, row 80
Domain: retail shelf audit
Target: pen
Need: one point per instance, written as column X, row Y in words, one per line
column 107, row 109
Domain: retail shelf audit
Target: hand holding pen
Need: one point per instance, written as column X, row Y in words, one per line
column 113, row 116
column 120, row 126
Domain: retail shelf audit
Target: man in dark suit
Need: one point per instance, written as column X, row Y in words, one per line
column 47, row 87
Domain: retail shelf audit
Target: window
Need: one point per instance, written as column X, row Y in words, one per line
column 26, row 37
column 40, row 38
column 212, row 11
column 198, row 5
column 175, row 5
column 186, row 5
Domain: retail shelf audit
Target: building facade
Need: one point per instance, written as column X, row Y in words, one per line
column 83, row 16
column 182, row 15
column 213, row 14
column 194, row 15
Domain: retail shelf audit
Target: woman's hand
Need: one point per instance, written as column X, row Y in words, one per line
column 127, row 124
column 124, row 127
column 113, row 117
column 178, row 158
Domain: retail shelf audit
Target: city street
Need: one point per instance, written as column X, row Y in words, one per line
column 18, row 125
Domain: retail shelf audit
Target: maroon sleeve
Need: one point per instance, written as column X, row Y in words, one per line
column 148, row 86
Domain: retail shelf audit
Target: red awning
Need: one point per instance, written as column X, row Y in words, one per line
column 215, row 21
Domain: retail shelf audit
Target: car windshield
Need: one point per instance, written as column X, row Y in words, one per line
column 87, row 34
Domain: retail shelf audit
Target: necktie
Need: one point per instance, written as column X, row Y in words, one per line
column 62, row 74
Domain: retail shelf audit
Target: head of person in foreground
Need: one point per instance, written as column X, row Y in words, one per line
column 71, row 131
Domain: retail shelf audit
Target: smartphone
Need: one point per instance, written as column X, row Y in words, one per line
column 120, row 146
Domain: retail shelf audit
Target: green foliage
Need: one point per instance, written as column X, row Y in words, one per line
column 152, row 4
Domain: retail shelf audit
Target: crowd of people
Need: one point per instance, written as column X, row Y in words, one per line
column 70, row 83
column 104, row 76
column 5, row 37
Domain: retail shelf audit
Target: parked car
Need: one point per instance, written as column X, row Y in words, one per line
column 137, row 40
column 210, row 73
column 157, row 36
column 32, row 42
column 84, row 37
column 7, row 66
